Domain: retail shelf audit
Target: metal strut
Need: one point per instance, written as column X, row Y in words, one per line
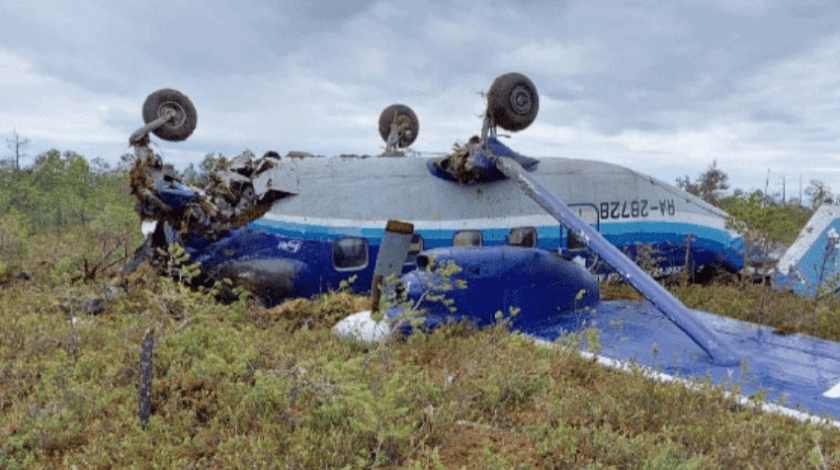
column 141, row 134
column 669, row 305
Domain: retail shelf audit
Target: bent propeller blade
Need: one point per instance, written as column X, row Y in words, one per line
column 392, row 255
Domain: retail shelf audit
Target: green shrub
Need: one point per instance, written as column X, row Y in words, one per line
column 779, row 223
column 14, row 232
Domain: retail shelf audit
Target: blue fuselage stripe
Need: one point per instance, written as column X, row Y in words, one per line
column 549, row 237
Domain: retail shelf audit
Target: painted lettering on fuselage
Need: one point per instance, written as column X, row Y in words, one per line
column 292, row 245
column 636, row 208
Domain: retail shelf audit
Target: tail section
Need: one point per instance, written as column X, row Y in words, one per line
column 811, row 263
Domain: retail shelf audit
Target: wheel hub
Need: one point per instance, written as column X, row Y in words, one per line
column 520, row 100
column 179, row 117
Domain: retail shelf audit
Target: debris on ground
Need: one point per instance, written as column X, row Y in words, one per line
column 93, row 306
column 114, row 292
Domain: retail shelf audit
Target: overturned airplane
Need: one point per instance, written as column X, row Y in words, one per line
column 299, row 226
column 527, row 236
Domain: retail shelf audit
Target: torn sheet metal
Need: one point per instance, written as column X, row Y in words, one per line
column 282, row 179
column 469, row 164
column 237, row 192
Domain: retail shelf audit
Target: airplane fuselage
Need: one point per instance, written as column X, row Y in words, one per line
column 330, row 229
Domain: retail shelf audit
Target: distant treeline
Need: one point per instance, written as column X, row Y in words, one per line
column 62, row 190
column 761, row 217
column 61, row 193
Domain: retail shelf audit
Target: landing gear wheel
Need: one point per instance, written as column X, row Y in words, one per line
column 513, row 102
column 399, row 115
column 182, row 125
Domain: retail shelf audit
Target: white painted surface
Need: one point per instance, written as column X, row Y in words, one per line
column 147, row 227
column 821, row 219
column 833, row 392
column 742, row 400
column 362, row 328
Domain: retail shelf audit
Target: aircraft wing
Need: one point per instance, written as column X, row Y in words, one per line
column 799, row 370
column 796, row 371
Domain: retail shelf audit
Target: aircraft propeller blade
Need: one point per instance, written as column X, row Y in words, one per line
column 669, row 305
column 392, row 254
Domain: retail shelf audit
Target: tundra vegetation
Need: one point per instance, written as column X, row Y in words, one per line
column 243, row 386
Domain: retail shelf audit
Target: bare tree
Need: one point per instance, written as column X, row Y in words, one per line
column 17, row 145
column 709, row 186
column 819, row 192
column 100, row 166
column 126, row 162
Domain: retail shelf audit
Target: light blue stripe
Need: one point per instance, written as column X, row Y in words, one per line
column 548, row 236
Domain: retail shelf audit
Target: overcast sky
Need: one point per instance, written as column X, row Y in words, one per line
column 663, row 87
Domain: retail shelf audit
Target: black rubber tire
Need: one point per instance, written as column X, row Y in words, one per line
column 176, row 129
column 390, row 114
column 513, row 102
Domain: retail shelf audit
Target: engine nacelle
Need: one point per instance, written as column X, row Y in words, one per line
column 526, row 285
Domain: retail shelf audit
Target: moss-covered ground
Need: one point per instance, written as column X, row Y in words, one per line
column 242, row 386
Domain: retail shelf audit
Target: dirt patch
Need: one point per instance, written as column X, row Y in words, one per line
column 306, row 313
column 477, row 446
column 613, row 291
column 57, row 449
column 196, row 395
column 205, row 447
column 293, row 309
column 16, row 386
column 786, row 328
column 199, row 395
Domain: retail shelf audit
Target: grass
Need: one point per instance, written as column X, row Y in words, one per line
column 756, row 303
column 241, row 386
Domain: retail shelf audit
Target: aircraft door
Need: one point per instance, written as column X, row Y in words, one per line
column 574, row 248
column 587, row 212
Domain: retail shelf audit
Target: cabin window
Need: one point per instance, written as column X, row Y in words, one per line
column 414, row 248
column 573, row 242
column 467, row 238
column 350, row 253
column 523, row 236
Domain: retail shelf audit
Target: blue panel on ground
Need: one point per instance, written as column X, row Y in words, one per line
column 797, row 367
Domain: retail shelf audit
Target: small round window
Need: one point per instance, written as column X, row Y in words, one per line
column 350, row 253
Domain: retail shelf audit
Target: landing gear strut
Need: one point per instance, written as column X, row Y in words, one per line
column 398, row 127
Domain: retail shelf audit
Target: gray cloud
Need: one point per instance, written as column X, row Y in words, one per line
column 659, row 86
